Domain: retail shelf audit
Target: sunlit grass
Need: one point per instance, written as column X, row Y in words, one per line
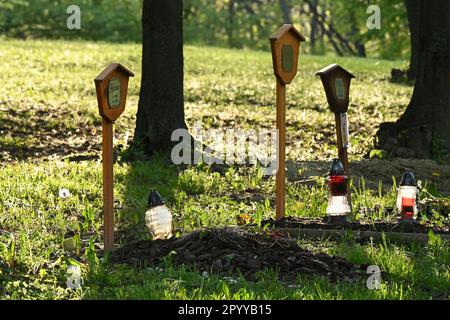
column 224, row 88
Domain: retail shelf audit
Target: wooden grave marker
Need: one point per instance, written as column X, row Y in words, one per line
column 285, row 45
column 336, row 82
column 112, row 90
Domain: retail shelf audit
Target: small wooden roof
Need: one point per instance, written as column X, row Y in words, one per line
column 282, row 31
column 112, row 67
column 332, row 67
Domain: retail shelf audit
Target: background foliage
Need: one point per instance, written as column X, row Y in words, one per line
column 112, row 20
column 223, row 23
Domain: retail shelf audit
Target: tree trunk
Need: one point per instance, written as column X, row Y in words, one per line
column 161, row 108
column 230, row 26
column 424, row 129
column 413, row 10
column 314, row 28
column 286, row 11
column 360, row 47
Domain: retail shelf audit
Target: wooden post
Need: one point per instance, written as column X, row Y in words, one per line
column 281, row 174
column 108, row 185
column 285, row 43
column 343, row 156
column 112, row 89
column 336, row 82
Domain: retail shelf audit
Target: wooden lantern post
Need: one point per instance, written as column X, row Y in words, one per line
column 112, row 91
column 285, row 45
column 336, row 82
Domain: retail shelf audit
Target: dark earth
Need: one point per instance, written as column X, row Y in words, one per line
column 233, row 251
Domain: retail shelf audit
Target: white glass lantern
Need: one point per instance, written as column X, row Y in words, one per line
column 158, row 217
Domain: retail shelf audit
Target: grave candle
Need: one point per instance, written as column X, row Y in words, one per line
column 336, row 82
column 407, row 197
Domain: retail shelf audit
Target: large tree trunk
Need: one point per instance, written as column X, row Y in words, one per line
column 424, row 129
column 161, row 108
column 413, row 10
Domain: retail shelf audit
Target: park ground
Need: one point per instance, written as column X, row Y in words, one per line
column 50, row 138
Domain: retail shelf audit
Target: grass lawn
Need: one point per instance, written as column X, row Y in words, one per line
column 50, row 138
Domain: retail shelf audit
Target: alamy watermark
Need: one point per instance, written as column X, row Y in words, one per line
column 374, row 280
column 73, row 22
column 231, row 146
column 374, row 20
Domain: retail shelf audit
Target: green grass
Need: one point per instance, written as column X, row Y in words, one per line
column 48, row 112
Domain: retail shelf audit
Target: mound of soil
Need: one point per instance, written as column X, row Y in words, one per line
column 231, row 251
column 321, row 223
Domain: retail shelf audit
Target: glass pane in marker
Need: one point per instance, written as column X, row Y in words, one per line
column 288, row 58
column 340, row 91
column 114, row 93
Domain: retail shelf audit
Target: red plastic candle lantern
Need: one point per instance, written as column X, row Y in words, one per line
column 338, row 205
column 407, row 197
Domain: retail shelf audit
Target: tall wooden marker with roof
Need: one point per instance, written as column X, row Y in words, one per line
column 285, row 51
column 112, row 91
column 336, row 82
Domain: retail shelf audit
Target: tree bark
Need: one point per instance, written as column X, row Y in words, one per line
column 359, row 46
column 361, row 49
column 413, row 11
column 314, row 28
column 230, row 26
column 161, row 107
column 423, row 131
column 329, row 30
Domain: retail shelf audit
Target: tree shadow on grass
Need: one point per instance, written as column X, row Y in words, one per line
column 162, row 175
column 369, row 173
column 29, row 133
column 142, row 177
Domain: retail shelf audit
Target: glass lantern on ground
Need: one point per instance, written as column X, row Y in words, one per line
column 158, row 217
column 407, row 197
column 338, row 208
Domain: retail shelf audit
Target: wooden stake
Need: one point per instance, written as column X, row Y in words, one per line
column 112, row 88
column 108, row 187
column 281, row 174
column 343, row 156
